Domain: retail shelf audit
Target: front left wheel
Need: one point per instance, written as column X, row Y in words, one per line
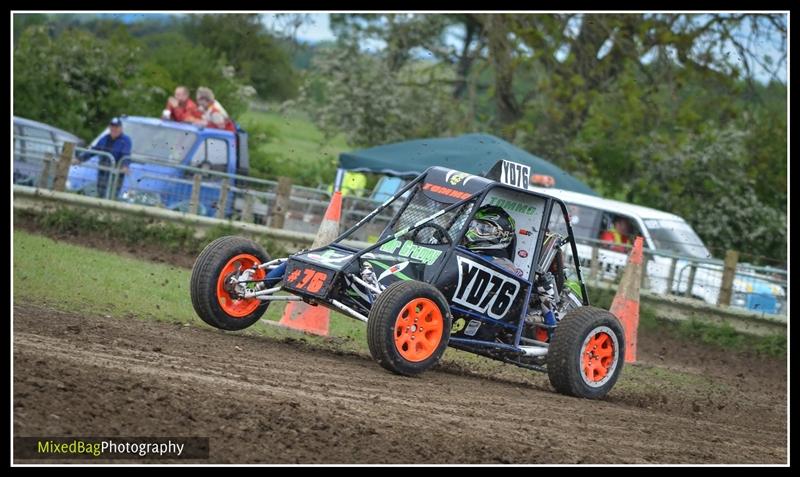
column 213, row 295
column 409, row 327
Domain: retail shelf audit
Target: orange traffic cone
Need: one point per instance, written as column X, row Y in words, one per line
column 299, row 315
column 626, row 302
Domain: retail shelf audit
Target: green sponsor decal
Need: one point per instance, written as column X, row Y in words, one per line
column 575, row 286
column 384, row 266
column 391, row 246
column 411, row 250
column 458, row 325
column 512, row 206
column 329, row 256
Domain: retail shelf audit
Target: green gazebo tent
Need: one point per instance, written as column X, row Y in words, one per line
column 472, row 153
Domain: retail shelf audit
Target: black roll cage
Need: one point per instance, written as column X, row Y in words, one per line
column 477, row 197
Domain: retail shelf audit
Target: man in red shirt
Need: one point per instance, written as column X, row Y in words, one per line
column 618, row 234
column 181, row 107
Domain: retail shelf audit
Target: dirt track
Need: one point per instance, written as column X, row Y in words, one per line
column 268, row 401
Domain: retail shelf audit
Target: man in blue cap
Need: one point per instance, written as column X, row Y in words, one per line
column 119, row 146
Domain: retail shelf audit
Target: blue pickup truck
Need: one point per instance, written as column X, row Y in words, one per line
column 158, row 146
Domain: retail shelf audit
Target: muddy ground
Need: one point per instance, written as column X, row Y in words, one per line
column 263, row 400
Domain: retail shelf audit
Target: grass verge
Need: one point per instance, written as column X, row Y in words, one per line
column 135, row 230
column 92, row 281
column 289, row 144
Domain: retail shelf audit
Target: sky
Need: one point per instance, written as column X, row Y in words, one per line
column 318, row 28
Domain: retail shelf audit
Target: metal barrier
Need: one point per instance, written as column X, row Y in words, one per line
column 665, row 273
column 206, row 192
column 223, row 195
column 159, row 182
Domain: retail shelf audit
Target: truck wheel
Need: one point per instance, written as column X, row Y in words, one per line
column 211, row 296
column 408, row 327
column 587, row 351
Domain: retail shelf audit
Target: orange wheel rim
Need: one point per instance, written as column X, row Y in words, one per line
column 418, row 329
column 599, row 357
column 233, row 305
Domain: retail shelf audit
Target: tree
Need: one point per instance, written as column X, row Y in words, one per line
column 361, row 95
column 705, row 180
column 243, row 41
column 408, row 34
column 193, row 65
column 78, row 82
column 630, row 103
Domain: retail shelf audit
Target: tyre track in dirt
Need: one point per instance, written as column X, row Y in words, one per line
column 265, row 400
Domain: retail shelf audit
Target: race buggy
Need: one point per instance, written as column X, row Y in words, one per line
column 419, row 289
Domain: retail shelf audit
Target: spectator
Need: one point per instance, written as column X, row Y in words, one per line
column 213, row 114
column 181, row 107
column 618, row 234
column 119, row 146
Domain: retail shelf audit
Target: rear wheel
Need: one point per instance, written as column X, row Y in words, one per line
column 213, row 296
column 408, row 327
column 587, row 351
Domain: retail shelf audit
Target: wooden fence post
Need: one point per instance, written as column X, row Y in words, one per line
column 62, row 169
column 194, row 202
column 728, row 273
column 223, row 199
column 247, row 214
column 281, row 205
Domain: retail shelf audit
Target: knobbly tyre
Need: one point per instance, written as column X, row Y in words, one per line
column 423, row 285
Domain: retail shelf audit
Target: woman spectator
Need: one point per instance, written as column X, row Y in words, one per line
column 213, row 114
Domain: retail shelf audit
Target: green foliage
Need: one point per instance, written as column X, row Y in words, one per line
column 288, row 144
column 77, row 81
column 575, row 89
column 192, row 65
column 361, row 95
column 724, row 336
column 241, row 39
column 705, row 181
column 772, row 345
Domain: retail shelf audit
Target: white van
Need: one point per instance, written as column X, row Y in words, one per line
column 665, row 233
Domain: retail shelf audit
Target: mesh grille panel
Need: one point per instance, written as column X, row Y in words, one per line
column 421, row 207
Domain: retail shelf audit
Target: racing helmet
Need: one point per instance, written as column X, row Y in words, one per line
column 492, row 228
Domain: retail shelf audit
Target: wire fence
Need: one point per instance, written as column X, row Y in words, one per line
column 157, row 182
column 756, row 288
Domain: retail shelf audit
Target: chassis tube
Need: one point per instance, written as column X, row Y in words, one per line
column 400, row 233
column 279, row 298
column 574, row 247
column 535, row 342
column 268, row 291
column 375, row 212
column 364, row 284
column 349, row 310
column 273, row 263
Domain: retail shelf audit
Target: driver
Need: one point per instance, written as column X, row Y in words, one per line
column 490, row 234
